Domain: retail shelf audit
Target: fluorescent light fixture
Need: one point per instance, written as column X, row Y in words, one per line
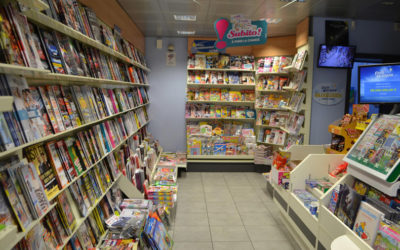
column 186, row 32
column 272, row 20
column 185, row 17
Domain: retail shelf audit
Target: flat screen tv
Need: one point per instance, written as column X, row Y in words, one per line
column 336, row 56
column 379, row 84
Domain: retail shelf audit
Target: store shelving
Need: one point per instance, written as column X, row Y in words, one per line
column 155, row 166
column 6, row 103
column 9, row 237
column 81, row 220
column 35, row 4
column 221, row 158
column 63, row 134
column 222, row 86
column 240, row 103
column 224, row 119
column 305, row 106
column 230, row 70
column 267, row 143
column 64, row 79
column 22, row 70
column 48, row 22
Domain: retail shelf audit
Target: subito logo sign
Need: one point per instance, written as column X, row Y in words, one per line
column 239, row 32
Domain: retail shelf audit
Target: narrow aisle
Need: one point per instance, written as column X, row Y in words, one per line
column 227, row 211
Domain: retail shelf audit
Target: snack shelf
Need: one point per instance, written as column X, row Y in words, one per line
column 48, row 22
column 65, row 133
column 81, row 220
column 332, row 151
column 155, row 166
column 241, row 103
column 225, row 119
column 222, row 86
column 64, row 79
column 234, row 70
column 6, row 103
column 21, row 70
column 35, row 4
column 9, row 238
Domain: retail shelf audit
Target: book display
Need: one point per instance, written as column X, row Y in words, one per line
column 220, row 111
column 72, row 127
column 281, row 105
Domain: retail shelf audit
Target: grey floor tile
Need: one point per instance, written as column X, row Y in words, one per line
column 249, row 197
column 192, row 234
column 265, row 233
column 220, row 206
column 212, row 197
column 208, row 175
column 273, row 245
column 251, row 207
column 185, row 197
column 227, row 218
column 191, row 219
column 216, row 189
column 193, row 246
column 257, row 219
column 214, row 183
column 239, row 182
column 229, row 233
column 246, row 245
column 198, row 206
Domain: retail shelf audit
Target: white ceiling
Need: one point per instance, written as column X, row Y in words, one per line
column 155, row 17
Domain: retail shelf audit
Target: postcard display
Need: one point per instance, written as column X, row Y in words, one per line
column 67, row 122
column 283, row 98
column 220, row 111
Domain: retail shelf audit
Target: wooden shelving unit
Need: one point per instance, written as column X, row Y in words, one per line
column 48, row 22
column 10, row 236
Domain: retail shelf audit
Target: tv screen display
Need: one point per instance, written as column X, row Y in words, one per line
column 379, row 83
column 336, row 56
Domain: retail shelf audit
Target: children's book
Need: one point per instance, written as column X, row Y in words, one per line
column 367, row 222
column 387, row 237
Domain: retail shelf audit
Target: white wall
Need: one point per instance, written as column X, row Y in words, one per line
column 167, row 93
column 370, row 37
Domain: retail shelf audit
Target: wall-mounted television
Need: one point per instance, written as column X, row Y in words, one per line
column 379, row 84
column 336, row 56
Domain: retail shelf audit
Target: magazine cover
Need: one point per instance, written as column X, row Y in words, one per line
column 49, row 109
column 348, row 206
column 36, row 155
column 41, row 110
column 53, row 53
column 388, row 237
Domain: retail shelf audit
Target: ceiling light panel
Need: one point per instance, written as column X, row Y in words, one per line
column 185, row 18
column 186, row 32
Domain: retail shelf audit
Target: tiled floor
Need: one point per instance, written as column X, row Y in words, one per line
column 227, row 211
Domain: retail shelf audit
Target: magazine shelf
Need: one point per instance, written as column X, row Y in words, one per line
column 9, row 237
column 64, row 133
column 271, row 91
column 35, row 4
column 266, row 143
column 273, row 73
column 221, row 86
column 233, row 70
column 6, row 103
column 102, row 238
column 92, row 166
column 46, row 21
column 245, row 103
column 64, row 79
column 266, row 126
column 332, row 224
column 155, row 166
column 22, row 70
column 225, row 119
column 221, row 158
column 80, row 221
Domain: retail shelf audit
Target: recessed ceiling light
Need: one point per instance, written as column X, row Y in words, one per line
column 387, row 3
column 272, row 20
column 186, row 32
column 185, row 17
